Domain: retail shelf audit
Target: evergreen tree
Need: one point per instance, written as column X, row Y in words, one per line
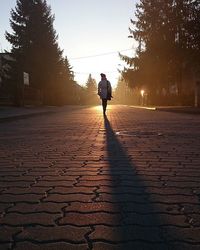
column 91, row 84
column 167, row 32
column 120, row 91
column 68, row 86
column 125, row 94
column 91, row 90
column 68, row 71
column 152, row 32
column 193, row 28
column 34, row 48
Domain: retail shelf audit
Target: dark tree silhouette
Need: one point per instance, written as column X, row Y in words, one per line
column 91, row 90
column 167, row 32
column 35, row 49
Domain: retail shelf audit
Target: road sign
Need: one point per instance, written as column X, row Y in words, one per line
column 26, row 78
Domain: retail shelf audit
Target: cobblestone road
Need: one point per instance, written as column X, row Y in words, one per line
column 74, row 180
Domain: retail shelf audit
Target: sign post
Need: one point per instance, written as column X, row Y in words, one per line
column 26, row 79
column 26, row 83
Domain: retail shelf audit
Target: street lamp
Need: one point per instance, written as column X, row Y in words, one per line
column 142, row 94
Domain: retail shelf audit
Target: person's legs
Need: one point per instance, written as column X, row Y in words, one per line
column 104, row 104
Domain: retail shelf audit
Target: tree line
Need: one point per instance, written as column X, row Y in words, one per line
column 167, row 60
column 35, row 50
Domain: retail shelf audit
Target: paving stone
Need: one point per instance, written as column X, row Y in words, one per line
column 46, row 207
column 41, row 172
column 95, row 183
column 190, row 208
column 6, row 233
column 129, row 246
column 155, row 219
column 190, row 184
column 174, row 198
column 72, row 190
column 183, row 246
column 149, row 208
column 123, row 190
column 5, row 246
column 59, row 178
column 169, row 191
column 22, row 184
column 50, row 246
column 66, row 183
column 30, row 190
column 52, row 234
column 9, row 198
column 126, row 233
column 3, row 207
column 17, row 219
column 187, row 235
column 79, row 172
column 17, row 178
column 83, row 207
column 99, row 218
column 13, row 172
column 122, row 198
column 69, row 197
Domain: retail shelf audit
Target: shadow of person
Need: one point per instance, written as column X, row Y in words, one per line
column 138, row 222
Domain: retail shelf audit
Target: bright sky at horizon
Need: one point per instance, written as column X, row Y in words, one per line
column 91, row 33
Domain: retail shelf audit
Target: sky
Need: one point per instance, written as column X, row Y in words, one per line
column 90, row 33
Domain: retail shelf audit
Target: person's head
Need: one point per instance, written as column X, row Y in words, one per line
column 103, row 76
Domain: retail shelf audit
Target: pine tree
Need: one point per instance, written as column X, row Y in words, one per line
column 34, row 48
column 68, row 86
column 167, row 32
column 153, row 35
column 91, row 84
column 91, row 90
column 193, row 35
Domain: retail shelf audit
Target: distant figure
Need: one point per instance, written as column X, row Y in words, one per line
column 104, row 91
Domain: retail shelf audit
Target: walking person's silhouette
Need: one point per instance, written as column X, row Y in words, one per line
column 104, row 91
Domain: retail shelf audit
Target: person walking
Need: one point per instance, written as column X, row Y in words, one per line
column 104, row 91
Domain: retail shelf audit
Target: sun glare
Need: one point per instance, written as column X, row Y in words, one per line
column 97, row 108
column 142, row 92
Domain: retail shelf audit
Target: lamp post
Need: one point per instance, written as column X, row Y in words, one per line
column 142, row 95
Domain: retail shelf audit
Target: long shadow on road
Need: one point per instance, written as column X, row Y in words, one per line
column 138, row 226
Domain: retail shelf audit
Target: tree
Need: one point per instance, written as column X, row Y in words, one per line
column 167, row 32
column 91, row 84
column 34, row 49
column 152, row 33
column 69, row 91
column 91, row 90
column 193, row 28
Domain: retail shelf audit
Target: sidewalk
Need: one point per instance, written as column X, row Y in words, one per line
column 176, row 109
column 12, row 113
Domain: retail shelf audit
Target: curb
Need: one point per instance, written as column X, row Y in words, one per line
column 183, row 110
column 192, row 111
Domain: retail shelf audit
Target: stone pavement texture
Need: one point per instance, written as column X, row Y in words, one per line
column 9, row 113
column 76, row 180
